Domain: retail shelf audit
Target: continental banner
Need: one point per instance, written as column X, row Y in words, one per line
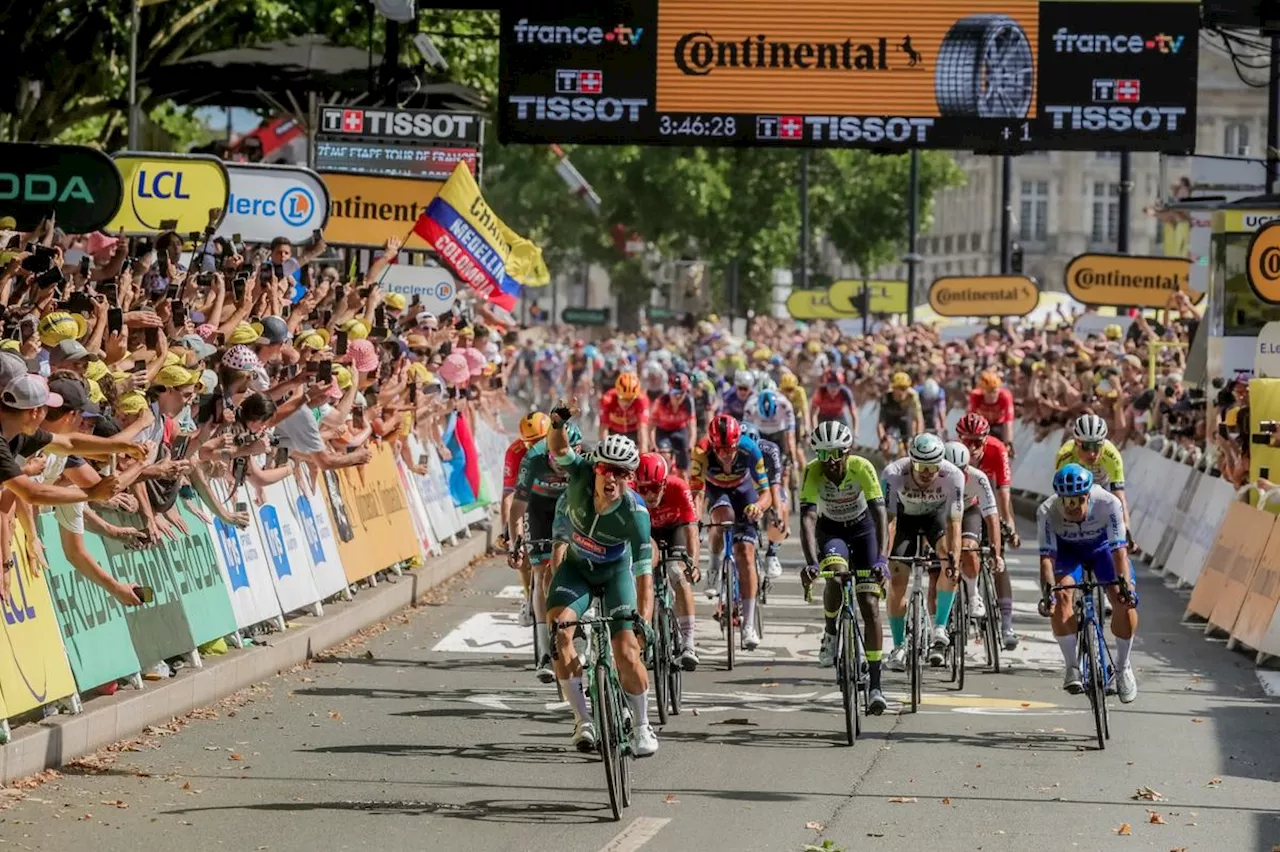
column 984, row 296
column 1121, row 279
column 370, row 516
column 33, row 664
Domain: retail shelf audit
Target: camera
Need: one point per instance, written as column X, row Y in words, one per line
column 1268, row 427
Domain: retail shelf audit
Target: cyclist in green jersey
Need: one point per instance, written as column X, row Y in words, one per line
column 843, row 523
column 602, row 535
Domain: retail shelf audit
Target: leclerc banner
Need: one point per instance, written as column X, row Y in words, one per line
column 266, row 202
column 163, row 188
column 477, row 245
column 80, row 185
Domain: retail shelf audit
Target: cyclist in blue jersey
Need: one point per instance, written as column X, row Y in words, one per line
column 734, row 400
column 776, row 530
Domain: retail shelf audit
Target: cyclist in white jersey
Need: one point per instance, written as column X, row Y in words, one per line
column 980, row 511
column 1083, row 524
column 925, row 497
column 775, row 417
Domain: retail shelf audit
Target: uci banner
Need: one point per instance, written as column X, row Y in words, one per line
column 477, row 245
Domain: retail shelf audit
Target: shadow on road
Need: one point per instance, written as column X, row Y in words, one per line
column 501, row 752
column 523, row 811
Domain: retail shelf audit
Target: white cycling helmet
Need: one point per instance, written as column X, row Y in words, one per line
column 831, row 435
column 743, row 379
column 926, row 448
column 957, row 453
column 618, row 450
column 1089, row 427
column 765, row 383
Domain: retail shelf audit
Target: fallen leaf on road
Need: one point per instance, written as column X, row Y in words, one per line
column 770, row 685
column 1148, row 794
column 335, row 715
column 235, row 756
column 978, row 765
column 946, row 800
column 1124, row 830
column 815, row 826
column 186, row 786
column 1214, row 782
column 116, row 803
column 1026, row 704
column 1059, row 730
column 1155, row 818
column 1197, row 719
column 874, row 834
column 671, row 799
column 903, row 800
column 695, row 711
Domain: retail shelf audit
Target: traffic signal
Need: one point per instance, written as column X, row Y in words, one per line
column 1015, row 259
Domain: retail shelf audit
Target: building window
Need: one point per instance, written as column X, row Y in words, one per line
column 947, row 244
column 1107, row 155
column 1105, row 227
column 1033, row 218
column 975, row 241
column 960, row 241
column 1235, row 139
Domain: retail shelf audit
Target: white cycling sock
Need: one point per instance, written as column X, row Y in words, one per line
column 748, row 613
column 1123, row 647
column 572, row 688
column 639, row 705
column 544, row 639
column 971, row 584
column 687, row 623
column 1068, row 645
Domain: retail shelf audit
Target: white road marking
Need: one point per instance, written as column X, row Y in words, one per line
column 487, row 633
column 510, row 593
column 1270, row 682
column 493, row 702
column 638, row 833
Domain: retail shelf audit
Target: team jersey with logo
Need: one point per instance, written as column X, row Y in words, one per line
column 539, row 478
column 732, row 405
column 995, row 462
column 676, row 507
column 772, row 454
column 670, row 415
column 1108, row 470
column 799, row 399
column 706, row 469
column 783, row 419
column 620, row 419
column 832, row 403
column 844, row 501
column 619, row 538
column 1000, row 411
column 978, row 492
column 511, row 465
column 1102, row 527
column 903, row 492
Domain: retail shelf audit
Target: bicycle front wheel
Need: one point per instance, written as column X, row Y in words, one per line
column 847, row 680
column 958, row 625
column 1094, row 682
column 915, row 638
column 662, row 662
column 729, row 595
column 991, row 633
column 608, row 736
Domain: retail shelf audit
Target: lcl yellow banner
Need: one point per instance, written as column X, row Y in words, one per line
column 33, row 663
column 814, row 305
column 177, row 190
column 984, row 296
column 887, row 297
column 1122, row 279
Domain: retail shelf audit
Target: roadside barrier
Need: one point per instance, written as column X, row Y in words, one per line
column 1190, row 525
column 309, row 540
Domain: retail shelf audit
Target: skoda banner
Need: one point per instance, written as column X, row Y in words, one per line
column 274, row 201
column 187, row 190
column 81, row 186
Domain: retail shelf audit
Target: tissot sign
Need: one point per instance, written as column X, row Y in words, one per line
column 414, row 125
column 1012, row 75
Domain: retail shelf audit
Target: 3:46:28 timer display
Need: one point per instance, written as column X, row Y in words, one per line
column 698, row 125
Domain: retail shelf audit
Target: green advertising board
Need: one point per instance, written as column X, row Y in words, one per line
column 585, row 316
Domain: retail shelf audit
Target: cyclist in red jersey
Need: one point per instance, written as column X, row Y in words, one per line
column 624, row 410
column 674, row 418
column 533, row 428
column 673, row 520
column 989, row 454
column 995, row 403
column 833, row 401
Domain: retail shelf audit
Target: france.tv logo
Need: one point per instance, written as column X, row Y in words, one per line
column 622, row 35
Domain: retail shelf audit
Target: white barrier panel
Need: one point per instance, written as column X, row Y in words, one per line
column 287, row 545
column 427, row 541
column 444, row 517
column 242, row 558
column 1195, row 538
column 868, row 419
column 1168, row 478
column 313, row 516
column 1141, row 474
column 1189, row 478
column 1034, row 471
column 952, row 418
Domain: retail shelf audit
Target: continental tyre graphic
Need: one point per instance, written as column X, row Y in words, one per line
column 985, row 69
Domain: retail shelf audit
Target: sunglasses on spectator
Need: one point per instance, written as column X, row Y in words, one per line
column 610, row 470
column 1091, row 446
column 831, row 455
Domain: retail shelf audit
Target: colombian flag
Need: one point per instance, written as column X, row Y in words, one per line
column 466, row 486
column 478, row 246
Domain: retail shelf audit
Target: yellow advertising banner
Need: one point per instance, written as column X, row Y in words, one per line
column 33, row 664
column 370, row 515
column 1122, row 279
column 814, row 305
column 887, row 297
column 1244, row 221
column 1264, row 263
column 174, row 190
column 365, row 209
column 984, row 296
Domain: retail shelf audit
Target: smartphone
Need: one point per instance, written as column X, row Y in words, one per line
column 85, row 263
column 172, row 293
column 282, row 456
column 139, row 366
column 221, row 339
column 108, row 291
column 324, row 373
column 237, row 244
column 80, row 303
column 168, row 224
column 264, row 274
column 180, row 447
column 416, row 300
column 339, row 294
column 278, row 269
column 239, row 468
column 179, row 312
column 422, row 459
column 144, row 593
column 237, row 288
column 413, row 393
column 27, row 328
column 380, row 315
column 326, row 317
column 316, row 236
column 243, row 507
column 340, row 344
column 378, row 332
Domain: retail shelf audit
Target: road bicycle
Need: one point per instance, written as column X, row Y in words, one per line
column 526, row 547
column 917, row 627
column 958, row 623
column 609, row 711
column 852, row 674
column 728, row 614
column 987, row 630
column 668, row 645
column 1097, row 672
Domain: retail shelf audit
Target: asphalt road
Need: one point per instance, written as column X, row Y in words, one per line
column 434, row 735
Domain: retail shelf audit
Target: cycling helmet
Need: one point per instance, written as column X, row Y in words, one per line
column 1113, row 331
column 776, row 360
column 1072, row 481
column 930, row 389
column 990, row 380
column 664, row 445
column 652, row 471
column 767, row 405
column 627, row 386
column 830, row 377
column 724, row 432
column 974, row 426
column 678, row 382
column 831, row 435
column 1089, row 427
column 743, row 379
column 680, row 364
column 765, row 383
column 788, row 382
column 956, row 453
column 900, row 381
column 751, row 430
column 534, row 427
column 926, row 448
column 573, row 434
column 618, row 450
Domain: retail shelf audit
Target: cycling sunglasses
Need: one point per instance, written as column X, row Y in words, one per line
column 830, row 455
column 1074, row 503
column 1091, row 446
column 614, row 471
column 925, row 468
column 974, row 443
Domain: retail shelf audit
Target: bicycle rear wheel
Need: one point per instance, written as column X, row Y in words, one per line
column 675, row 675
column 991, row 632
column 846, row 680
column 914, row 639
column 729, row 592
column 1094, row 684
column 958, row 627
column 662, row 661
column 607, row 735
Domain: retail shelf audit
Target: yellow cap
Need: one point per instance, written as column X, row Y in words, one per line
column 95, row 391
column 244, row 334
column 59, row 326
column 418, row 372
column 312, row 340
column 175, row 357
column 95, row 370
column 174, row 376
column 131, row 403
column 394, row 301
column 416, row 341
column 9, row 345
column 356, row 329
column 342, row 375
